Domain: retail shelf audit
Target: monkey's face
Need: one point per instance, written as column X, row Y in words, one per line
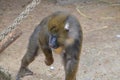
column 53, row 41
column 57, row 37
column 57, row 32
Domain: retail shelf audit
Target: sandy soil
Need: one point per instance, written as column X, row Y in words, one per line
column 100, row 58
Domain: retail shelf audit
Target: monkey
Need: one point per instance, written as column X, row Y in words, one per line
column 59, row 32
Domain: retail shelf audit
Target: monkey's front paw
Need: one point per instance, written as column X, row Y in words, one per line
column 49, row 61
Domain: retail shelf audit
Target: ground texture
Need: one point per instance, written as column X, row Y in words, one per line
column 100, row 57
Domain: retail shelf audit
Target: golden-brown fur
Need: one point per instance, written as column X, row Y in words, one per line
column 61, row 33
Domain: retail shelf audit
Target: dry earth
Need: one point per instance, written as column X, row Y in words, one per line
column 100, row 20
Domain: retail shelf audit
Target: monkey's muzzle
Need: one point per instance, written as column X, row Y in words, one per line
column 53, row 43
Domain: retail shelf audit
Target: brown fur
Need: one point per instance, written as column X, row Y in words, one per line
column 69, row 41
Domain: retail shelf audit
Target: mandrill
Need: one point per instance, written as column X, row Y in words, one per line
column 58, row 30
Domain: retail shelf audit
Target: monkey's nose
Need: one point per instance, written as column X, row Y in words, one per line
column 53, row 46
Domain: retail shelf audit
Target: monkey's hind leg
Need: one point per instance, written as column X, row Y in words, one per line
column 27, row 59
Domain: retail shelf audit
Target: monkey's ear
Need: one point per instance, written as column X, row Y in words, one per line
column 66, row 27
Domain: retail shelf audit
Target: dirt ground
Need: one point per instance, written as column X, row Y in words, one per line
column 100, row 20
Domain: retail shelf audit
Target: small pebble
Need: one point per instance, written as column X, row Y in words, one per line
column 118, row 36
column 52, row 68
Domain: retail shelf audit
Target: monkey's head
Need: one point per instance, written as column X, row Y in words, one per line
column 58, row 30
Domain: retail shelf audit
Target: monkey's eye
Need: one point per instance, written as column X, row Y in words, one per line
column 52, row 28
